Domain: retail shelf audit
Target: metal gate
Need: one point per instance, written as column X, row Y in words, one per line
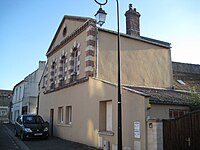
column 182, row 133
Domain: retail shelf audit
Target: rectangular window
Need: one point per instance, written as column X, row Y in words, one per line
column 60, row 114
column 68, row 115
column 176, row 113
column 105, row 116
column 109, row 116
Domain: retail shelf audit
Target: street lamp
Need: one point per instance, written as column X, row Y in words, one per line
column 101, row 15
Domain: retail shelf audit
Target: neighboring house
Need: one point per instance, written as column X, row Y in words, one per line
column 186, row 76
column 25, row 94
column 78, row 92
column 5, row 99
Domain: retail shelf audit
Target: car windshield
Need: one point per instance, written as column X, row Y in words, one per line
column 32, row 120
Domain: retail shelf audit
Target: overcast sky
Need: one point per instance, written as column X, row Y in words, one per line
column 27, row 28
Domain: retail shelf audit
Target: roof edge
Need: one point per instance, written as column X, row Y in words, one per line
column 125, row 88
column 141, row 38
column 83, row 19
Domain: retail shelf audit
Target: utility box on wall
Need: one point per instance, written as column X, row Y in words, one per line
column 106, row 145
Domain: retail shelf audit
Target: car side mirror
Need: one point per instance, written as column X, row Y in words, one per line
column 46, row 122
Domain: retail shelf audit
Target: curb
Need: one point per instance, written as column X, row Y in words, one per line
column 17, row 141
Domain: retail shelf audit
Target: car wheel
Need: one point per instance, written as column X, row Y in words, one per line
column 22, row 136
column 16, row 133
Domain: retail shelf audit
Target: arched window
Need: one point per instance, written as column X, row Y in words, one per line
column 62, row 70
column 75, row 67
column 53, row 75
column 74, row 62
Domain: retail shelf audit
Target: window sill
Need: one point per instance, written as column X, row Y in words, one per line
column 64, row 125
column 109, row 133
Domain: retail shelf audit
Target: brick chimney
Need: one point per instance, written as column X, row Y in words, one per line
column 132, row 22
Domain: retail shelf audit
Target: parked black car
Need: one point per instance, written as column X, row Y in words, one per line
column 29, row 126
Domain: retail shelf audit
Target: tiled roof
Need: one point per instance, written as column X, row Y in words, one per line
column 5, row 92
column 186, row 76
column 165, row 96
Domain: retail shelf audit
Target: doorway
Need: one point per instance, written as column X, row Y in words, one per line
column 51, row 122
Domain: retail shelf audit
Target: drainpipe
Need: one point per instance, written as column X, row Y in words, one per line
column 38, row 99
column 97, row 50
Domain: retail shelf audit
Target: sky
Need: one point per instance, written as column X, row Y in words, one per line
column 27, row 28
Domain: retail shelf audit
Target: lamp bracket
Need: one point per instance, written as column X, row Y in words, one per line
column 101, row 3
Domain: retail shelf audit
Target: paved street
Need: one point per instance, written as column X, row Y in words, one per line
column 6, row 142
column 9, row 142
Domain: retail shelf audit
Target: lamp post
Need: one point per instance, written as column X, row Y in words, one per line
column 101, row 16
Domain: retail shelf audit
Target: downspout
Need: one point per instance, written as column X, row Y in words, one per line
column 97, row 50
column 38, row 99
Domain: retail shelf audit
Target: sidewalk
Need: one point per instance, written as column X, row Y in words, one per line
column 8, row 141
column 52, row 143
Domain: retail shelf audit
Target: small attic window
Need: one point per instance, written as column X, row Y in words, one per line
column 64, row 31
column 181, row 82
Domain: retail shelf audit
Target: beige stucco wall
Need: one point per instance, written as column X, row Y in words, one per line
column 84, row 99
column 142, row 64
column 71, row 26
column 162, row 111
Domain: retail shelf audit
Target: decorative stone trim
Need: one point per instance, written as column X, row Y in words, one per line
column 53, row 74
column 89, row 63
column 79, row 81
column 79, row 53
column 65, row 78
column 90, row 37
column 89, row 58
column 74, row 70
column 89, row 23
column 71, row 50
column 89, row 73
column 78, row 63
column 90, row 53
column 88, row 68
column 90, row 28
column 91, row 32
column 64, row 53
column 70, row 67
column 90, row 50
column 91, row 43
column 62, row 69
column 71, row 58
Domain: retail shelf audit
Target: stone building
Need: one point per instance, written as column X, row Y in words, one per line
column 25, row 94
column 78, row 92
column 186, row 76
column 5, row 99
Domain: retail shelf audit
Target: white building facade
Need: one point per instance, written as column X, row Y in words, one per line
column 25, row 94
